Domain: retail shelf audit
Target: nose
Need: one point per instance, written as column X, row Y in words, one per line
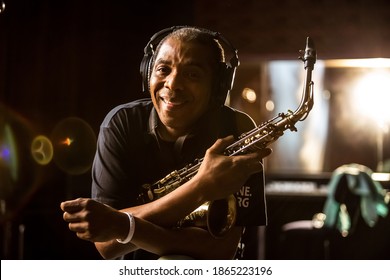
column 174, row 81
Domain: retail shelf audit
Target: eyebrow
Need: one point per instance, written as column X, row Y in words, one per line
column 160, row 60
column 188, row 63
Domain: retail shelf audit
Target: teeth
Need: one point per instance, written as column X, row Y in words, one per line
column 168, row 101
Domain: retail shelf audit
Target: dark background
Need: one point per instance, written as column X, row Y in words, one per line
column 60, row 59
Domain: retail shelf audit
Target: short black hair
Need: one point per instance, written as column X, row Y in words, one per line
column 195, row 35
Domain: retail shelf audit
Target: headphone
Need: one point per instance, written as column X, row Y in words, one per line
column 226, row 73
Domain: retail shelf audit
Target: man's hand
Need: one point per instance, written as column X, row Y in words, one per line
column 224, row 175
column 94, row 221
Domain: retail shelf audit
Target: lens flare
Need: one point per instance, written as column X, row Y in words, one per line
column 67, row 141
column 42, row 150
column 8, row 151
column 74, row 144
column 8, row 161
column 19, row 175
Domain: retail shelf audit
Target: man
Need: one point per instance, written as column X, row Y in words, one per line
column 142, row 141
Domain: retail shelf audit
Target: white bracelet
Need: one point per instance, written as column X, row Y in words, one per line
column 131, row 230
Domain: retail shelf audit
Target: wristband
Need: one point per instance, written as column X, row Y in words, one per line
column 131, row 230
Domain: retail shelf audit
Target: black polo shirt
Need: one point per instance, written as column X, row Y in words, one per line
column 130, row 154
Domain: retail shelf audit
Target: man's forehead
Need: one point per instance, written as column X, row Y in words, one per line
column 189, row 52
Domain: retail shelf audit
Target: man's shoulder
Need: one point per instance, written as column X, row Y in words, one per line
column 236, row 112
column 140, row 107
column 243, row 120
column 136, row 105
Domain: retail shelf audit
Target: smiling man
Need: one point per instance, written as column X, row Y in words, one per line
column 181, row 85
column 185, row 73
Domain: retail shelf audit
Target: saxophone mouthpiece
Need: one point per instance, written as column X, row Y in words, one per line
column 310, row 55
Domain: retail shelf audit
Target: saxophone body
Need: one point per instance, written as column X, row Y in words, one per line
column 219, row 216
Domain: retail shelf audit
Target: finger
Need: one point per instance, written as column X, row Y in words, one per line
column 85, row 236
column 71, row 217
column 252, row 162
column 220, row 145
column 259, row 154
column 72, row 205
column 78, row 227
column 82, row 231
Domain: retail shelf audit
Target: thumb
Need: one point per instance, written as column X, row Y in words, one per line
column 265, row 152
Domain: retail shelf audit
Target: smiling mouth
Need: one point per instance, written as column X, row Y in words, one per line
column 171, row 103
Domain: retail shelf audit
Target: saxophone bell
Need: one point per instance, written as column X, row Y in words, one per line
column 218, row 216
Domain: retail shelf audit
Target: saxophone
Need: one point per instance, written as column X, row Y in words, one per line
column 219, row 216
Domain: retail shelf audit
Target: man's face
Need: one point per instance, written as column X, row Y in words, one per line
column 181, row 84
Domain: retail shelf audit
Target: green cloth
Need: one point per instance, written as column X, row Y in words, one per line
column 373, row 200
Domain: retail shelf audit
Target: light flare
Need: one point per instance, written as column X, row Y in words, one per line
column 68, row 141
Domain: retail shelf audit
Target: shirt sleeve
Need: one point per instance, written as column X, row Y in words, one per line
column 112, row 171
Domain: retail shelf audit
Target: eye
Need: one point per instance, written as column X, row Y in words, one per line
column 162, row 70
column 193, row 73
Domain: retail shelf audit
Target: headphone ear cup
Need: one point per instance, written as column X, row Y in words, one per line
column 144, row 69
column 146, row 62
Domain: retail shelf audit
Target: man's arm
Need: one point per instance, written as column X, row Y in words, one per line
column 193, row 242
column 103, row 225
column 97, row 222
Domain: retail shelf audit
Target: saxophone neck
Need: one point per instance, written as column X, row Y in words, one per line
column 309, row 58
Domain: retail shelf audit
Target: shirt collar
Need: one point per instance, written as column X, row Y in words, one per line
column 153, row 122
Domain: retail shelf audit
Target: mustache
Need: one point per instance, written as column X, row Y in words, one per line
column 170, row 96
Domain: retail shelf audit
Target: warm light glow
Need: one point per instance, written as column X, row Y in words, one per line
column 68, row 141
column 378, row 176
column 372, row 95
column 360, row 63
column 270, row 105
column 249, row 95
column 2, row 7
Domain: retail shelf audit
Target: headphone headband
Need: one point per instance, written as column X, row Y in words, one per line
column 227, row 72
